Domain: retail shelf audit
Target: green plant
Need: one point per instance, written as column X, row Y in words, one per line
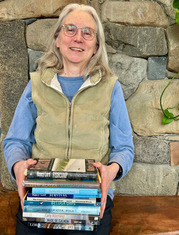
column 176, row 6
column 168, row 116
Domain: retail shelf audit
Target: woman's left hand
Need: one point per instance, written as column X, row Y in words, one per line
column 108, row 174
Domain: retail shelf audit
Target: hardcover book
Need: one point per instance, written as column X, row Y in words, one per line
column 72, row 169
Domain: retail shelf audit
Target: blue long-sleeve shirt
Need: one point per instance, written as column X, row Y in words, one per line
column 18, row 143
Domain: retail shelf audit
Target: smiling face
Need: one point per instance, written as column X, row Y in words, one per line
column 75, row 50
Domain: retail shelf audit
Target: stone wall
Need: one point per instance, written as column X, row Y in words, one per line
column 142, row 41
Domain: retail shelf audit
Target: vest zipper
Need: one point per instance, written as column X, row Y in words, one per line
column 69, row 116
column 69, row 120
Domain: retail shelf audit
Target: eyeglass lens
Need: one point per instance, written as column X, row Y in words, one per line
column 71, row 30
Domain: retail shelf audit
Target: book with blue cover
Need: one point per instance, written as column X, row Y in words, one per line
column 90, row 210
column 79, row 191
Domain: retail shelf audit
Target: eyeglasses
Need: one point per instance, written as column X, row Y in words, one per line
column 71, row 30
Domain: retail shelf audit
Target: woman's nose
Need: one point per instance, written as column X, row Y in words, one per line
column 78, row 36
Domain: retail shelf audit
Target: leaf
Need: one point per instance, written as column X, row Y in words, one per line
column 176, row 4
column 168, row 117
column 166, row 121
column 177, row 17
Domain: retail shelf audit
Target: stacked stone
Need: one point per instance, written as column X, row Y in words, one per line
column 142, row 41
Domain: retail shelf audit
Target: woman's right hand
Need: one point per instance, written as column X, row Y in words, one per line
column 19, row 168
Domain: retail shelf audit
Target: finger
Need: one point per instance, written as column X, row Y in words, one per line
column 103, row 206
column 22, row 204
column 30, row 162
column 97, row 164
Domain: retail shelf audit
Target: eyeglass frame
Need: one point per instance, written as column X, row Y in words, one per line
column 77, row 28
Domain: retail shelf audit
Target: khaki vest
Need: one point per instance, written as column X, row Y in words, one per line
column 79, row 129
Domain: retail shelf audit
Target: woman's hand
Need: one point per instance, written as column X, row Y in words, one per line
column 108, row 174
column 19, row 168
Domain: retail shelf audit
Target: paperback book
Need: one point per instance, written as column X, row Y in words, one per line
column 79, row 191
column 48, row 216
column 60, row 183
column 40, row 198
column 62, row 196
column 57, row 203
column 91, row 221
column 62, row 226
column 55, row 168
column 89, row 210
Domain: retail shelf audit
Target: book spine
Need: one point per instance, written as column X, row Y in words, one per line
column 62, row 221
column 61, row 175
column 62, row 226
column 76, row 196
column 51, row 195
column 58, row 184
column 57, row 203
column 63, row 209
column 65, row 191
column 60, row 216
column 92, row 201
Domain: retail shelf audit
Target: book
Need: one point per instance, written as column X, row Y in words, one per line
column 27, row 215
column 79, row 191
column 72, row 169
column 64, row 196
column 57, row 203
column 93, row 201
column 61, row 184
column 91, row 221
column 62, row 226
column 90, row 210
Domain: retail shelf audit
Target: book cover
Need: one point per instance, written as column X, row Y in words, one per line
column 90, row 210
column 80, row 227
column 79, row 191
column 72, row 169
column 41, row 215
column 60, row 183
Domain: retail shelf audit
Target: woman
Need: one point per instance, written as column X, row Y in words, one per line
column 73, row 107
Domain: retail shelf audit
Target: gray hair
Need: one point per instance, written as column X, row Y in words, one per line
column 53, row 58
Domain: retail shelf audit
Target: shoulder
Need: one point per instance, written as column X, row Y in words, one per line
column 34, row 75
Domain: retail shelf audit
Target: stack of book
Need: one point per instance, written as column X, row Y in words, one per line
column 62, row 194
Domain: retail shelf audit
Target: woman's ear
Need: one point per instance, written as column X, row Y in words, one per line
column 96, row 49
column 57, row 42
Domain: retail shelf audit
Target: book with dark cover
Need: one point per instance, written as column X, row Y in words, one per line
column 91, row 221
column 64, row 196
column 57, row 203
column 72, row 169
column 81, row 227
